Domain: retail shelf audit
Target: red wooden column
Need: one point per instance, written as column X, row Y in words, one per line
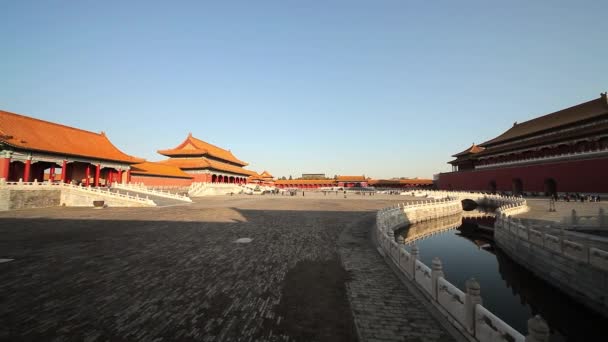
column 87, row 175
column 97, row 170
column 64, row 169
column 27, row 169
column 120, row 176
column 128, row 176
column 109, row 177
column 52, row 174
column 5, row 165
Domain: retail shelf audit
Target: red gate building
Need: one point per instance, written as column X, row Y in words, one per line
column 564, row 151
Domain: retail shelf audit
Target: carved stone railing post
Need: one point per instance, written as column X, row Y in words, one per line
column 538, row 330
column 436, row 272
column 472, row 298
column 413, row 258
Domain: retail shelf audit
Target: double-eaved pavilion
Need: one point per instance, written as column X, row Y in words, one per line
column 264, row 178
column 31, row 148
column 206, row 162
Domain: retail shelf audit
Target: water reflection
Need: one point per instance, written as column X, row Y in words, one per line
column 426, row 229
column 466, row 247
column 569, row 320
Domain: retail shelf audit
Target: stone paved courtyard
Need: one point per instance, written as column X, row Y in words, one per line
column 309, row 273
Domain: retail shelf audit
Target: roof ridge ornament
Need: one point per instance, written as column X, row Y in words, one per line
column 603, row 96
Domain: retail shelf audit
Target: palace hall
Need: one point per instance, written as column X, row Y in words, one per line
column 206, row 162
column 33, row 149
column 564, row 151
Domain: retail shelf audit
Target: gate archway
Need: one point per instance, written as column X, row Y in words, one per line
column 518, row 186
column 550, row 187
column 492, row 187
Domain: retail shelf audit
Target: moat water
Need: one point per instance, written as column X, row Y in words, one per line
column 508, row 290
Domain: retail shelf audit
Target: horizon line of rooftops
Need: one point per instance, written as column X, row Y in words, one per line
column 33, row 147
column 24, row 138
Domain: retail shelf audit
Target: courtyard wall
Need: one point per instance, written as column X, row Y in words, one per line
column 569, row 176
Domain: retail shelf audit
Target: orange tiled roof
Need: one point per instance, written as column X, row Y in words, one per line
column 351, row 179
column 307, row 181
column 471, row 150
column 158, row 169
column 204, row 163
column 28, row 133
column 196, row 147
column 401, row 181
column 266, row 174
column 581, row 112
column 260, row 177
column 255, row 177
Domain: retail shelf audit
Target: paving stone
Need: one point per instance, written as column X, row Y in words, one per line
column 175, row 273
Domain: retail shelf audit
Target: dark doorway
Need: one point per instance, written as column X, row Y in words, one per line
column 492, row 187
column 550, row 187
column 518, row 186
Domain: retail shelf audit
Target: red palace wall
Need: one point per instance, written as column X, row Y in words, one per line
column 160, row 181
column 574, row 176
column 200, row 177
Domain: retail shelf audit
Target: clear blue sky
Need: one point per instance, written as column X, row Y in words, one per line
column 381, row 88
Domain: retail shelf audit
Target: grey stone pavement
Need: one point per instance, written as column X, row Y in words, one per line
column 539, row 209
column 383, row 308
column 310, row 273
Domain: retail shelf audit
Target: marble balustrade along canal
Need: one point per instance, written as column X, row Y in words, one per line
column 575, row 263
column 464, row 310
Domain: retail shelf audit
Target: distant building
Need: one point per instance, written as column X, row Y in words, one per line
column 264, row 178
column 564, row 151
column 354, row 182
column 313, row 176
column 401, row 183
column 206, row 162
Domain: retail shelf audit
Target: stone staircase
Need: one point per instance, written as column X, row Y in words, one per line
column 161, row 201
column 199, row 189
column 144, row 190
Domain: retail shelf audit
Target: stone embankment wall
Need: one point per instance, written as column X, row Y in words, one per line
column 577, row 267
column 463, row 309
column 21, row 199
column 20, row 195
